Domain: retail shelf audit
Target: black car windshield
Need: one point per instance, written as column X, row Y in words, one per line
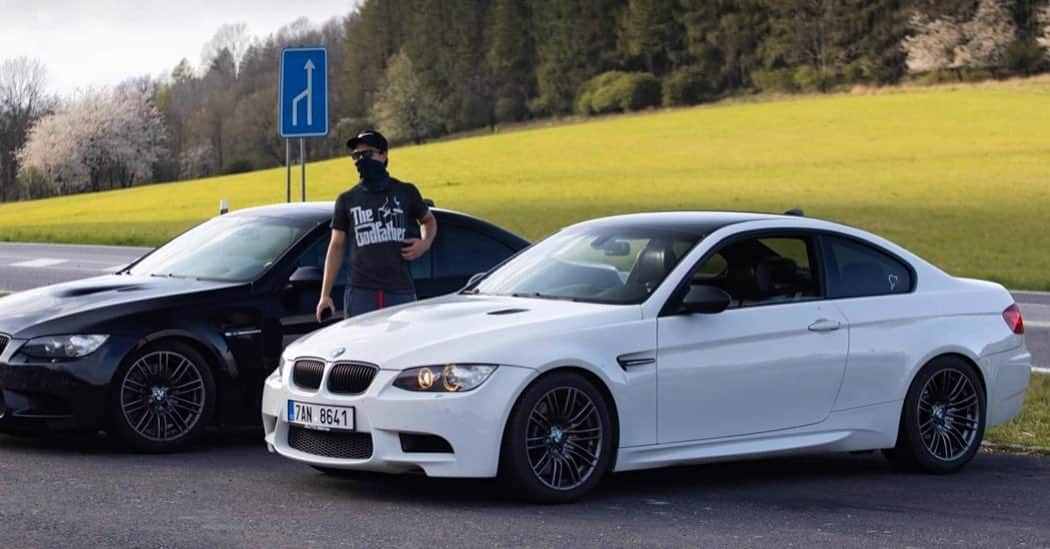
column 597, row 265
column 229, row 248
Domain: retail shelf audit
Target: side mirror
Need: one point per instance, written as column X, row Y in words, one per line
column 704, row 299
column 305, row 277
column 476, row 278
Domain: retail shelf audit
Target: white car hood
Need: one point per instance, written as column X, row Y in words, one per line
column 455, row 328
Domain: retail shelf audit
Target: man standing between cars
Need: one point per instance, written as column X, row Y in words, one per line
column 388, row 226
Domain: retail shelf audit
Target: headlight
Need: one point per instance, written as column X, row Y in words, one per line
column 446, row 378
column 67, row 346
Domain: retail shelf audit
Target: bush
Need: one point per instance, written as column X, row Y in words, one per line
column 241, row 165
column 1024, row 57
column 686, row 86
column 809, row 79
column 774, row 80
column 617, row 91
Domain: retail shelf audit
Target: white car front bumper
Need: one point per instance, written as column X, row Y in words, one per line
column 471, row 422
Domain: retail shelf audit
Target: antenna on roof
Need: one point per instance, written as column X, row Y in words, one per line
column 796, row 212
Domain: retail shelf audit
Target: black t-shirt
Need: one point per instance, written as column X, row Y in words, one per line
column 376, row 223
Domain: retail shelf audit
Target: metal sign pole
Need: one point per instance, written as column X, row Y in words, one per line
column 302, row 105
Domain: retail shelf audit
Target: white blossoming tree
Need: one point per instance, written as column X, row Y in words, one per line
column 950, row 43
column 104, row 139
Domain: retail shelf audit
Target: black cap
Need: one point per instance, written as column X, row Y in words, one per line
column 371, row 137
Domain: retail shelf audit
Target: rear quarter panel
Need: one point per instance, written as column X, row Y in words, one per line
column 893, row 337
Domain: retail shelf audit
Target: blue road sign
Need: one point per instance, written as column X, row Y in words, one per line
column 303, row 101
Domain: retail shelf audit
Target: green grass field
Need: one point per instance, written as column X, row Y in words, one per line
column 1032, row 427
column 960, row 175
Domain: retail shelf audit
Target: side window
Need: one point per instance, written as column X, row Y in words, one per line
column 462, row 252
column 857, row 270
column 714, row 268
column 314, row 256
column 421, row 267
column 761, row 271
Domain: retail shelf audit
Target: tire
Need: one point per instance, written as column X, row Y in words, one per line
column 163, row 397
column 558, row 443
column 942, row 423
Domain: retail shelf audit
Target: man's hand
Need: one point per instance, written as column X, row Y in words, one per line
column 413, row 248
column 325, row 303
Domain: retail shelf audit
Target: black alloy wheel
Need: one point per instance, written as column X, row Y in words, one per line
column 943, row 420
column 163, row 397
column 558, row 442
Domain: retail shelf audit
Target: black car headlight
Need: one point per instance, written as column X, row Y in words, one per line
column 64, row 346
column 445, row 378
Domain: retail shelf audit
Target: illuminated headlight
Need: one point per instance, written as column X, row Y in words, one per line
column 67, row 346
column 446, row 378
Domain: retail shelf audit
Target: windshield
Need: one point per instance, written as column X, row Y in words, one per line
column 619, row 266
column 227, row 248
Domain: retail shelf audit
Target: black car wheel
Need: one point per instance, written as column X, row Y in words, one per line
column 558, row 442
column 942, row 423
column 163, row 397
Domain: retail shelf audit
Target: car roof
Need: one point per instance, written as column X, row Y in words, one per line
column 321, row 212
column 698, row 222
column 306, row 211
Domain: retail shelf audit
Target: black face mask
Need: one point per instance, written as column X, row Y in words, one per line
column 373, row 173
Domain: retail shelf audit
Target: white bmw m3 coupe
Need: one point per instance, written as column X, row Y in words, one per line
column 660, row 339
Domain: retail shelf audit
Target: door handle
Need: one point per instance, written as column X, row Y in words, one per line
column 825, row 325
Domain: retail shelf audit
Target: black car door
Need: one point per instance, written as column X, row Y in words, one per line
column 299, row 298
column 460, row 251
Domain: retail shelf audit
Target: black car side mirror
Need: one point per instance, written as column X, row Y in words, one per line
column 305, row 277
column 704, row 299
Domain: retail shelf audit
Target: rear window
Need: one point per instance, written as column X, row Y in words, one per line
column 858, row 270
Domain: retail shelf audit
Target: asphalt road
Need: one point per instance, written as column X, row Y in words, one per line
column 25, row 266
column 234, row 494
column 230, row 493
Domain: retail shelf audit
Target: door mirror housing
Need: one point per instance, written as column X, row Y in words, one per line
column 703, row 299
column 305, row 277
column 476, row 278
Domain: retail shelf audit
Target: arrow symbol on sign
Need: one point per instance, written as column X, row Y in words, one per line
column 306, row 94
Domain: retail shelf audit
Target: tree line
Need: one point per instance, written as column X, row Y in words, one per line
column 422, row 69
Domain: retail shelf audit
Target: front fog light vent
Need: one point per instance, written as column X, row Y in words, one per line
column 412, row 443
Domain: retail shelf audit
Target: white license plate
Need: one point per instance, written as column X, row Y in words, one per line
column 325, row 418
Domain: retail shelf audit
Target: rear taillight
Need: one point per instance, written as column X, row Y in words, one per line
column 1012, row 316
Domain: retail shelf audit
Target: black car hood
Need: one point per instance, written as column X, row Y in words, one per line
column 120, row 294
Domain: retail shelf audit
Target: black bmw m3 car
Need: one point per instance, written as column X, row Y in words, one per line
column 184, row 337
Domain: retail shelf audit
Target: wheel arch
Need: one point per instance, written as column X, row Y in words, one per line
column 222, row 365
column 596, row 380
column 221, row 362
column 948, row 354
column 965, row 357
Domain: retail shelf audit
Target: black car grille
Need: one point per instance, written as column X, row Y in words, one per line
column 307, row 373
column 3, row 343
column 328, row 444
column 351, row 379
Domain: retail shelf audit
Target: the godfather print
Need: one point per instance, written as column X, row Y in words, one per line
column 383, row 224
